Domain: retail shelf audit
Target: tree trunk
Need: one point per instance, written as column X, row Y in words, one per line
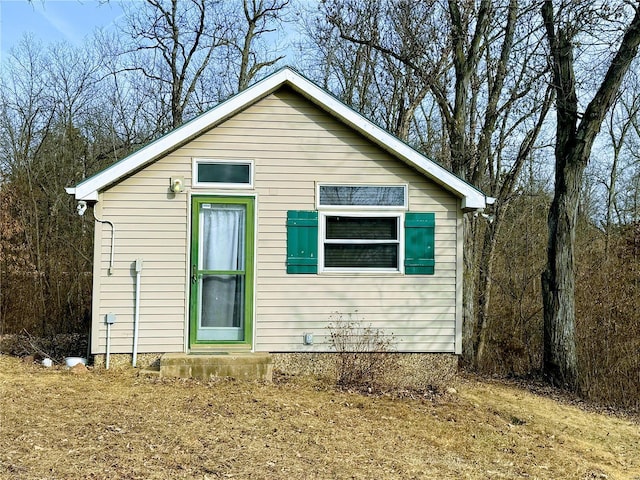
column 575, row 135
column 469, row 290
column 485, row 269
column 558, row 281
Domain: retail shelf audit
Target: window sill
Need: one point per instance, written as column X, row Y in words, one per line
column 364, row 273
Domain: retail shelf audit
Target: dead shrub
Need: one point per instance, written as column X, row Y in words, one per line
column 56, row 347
column 515, row 342
column 607, row 320
column 365, row 357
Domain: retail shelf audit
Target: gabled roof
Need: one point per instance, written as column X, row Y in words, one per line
column 471, row 197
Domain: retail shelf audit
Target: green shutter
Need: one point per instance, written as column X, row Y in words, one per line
column 419, row 241
column 302, row 241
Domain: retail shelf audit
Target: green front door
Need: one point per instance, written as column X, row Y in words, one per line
column 221, row 270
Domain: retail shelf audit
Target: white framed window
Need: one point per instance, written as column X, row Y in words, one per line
column 208, row 172
column 360, row 227
column 361, row 196
column 361, row 241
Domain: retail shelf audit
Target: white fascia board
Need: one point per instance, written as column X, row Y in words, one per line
column 90, row 196
column 472, row 198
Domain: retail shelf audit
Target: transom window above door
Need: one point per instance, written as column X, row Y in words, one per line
column 222, row 173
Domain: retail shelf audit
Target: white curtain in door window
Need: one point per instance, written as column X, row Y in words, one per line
column 222, row 249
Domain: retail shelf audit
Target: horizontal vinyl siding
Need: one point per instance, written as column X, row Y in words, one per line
column 151, row 224
column 290, row 157
column 293, row 145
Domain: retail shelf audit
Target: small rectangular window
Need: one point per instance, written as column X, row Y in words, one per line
column 362, row 195
column 230, row 174
column 361, row 242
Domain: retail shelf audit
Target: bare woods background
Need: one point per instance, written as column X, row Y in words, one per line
column 506, row 94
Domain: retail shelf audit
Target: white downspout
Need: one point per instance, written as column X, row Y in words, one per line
column 136, row 318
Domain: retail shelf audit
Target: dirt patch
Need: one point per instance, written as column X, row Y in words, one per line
column 118, row 424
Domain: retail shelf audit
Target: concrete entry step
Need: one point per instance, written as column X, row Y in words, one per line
column 243, row 366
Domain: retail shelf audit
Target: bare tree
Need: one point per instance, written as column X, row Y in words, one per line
column 132, row 111
column 45, row 98
column 376, row 84
column 619, row 128
column 173, row 44
column 260, row 19
column 575, row 134
column 28, row 115
column 198, row 52
column 630, row 201
column 478, row 62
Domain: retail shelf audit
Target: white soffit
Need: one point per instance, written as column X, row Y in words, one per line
column 471, row 198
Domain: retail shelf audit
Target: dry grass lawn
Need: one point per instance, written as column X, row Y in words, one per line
column 118, row 424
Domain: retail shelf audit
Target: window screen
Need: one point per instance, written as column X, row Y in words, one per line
column 361, row 242
column 365, row 195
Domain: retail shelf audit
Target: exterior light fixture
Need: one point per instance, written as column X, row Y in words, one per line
column 81, row 207
column 177, row 184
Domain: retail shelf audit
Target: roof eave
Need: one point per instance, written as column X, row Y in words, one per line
column 471, row 198
column 474, row 203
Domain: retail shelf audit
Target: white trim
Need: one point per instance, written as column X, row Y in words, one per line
column 471, row 198
column 187, row 298
column 323, row 214
column 459, row 283
column 96, row 284
column 200, row 160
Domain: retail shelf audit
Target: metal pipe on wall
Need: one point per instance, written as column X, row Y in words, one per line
column 110, row 319
column 136, row 317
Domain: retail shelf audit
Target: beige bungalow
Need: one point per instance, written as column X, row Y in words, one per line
column 256, row 224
